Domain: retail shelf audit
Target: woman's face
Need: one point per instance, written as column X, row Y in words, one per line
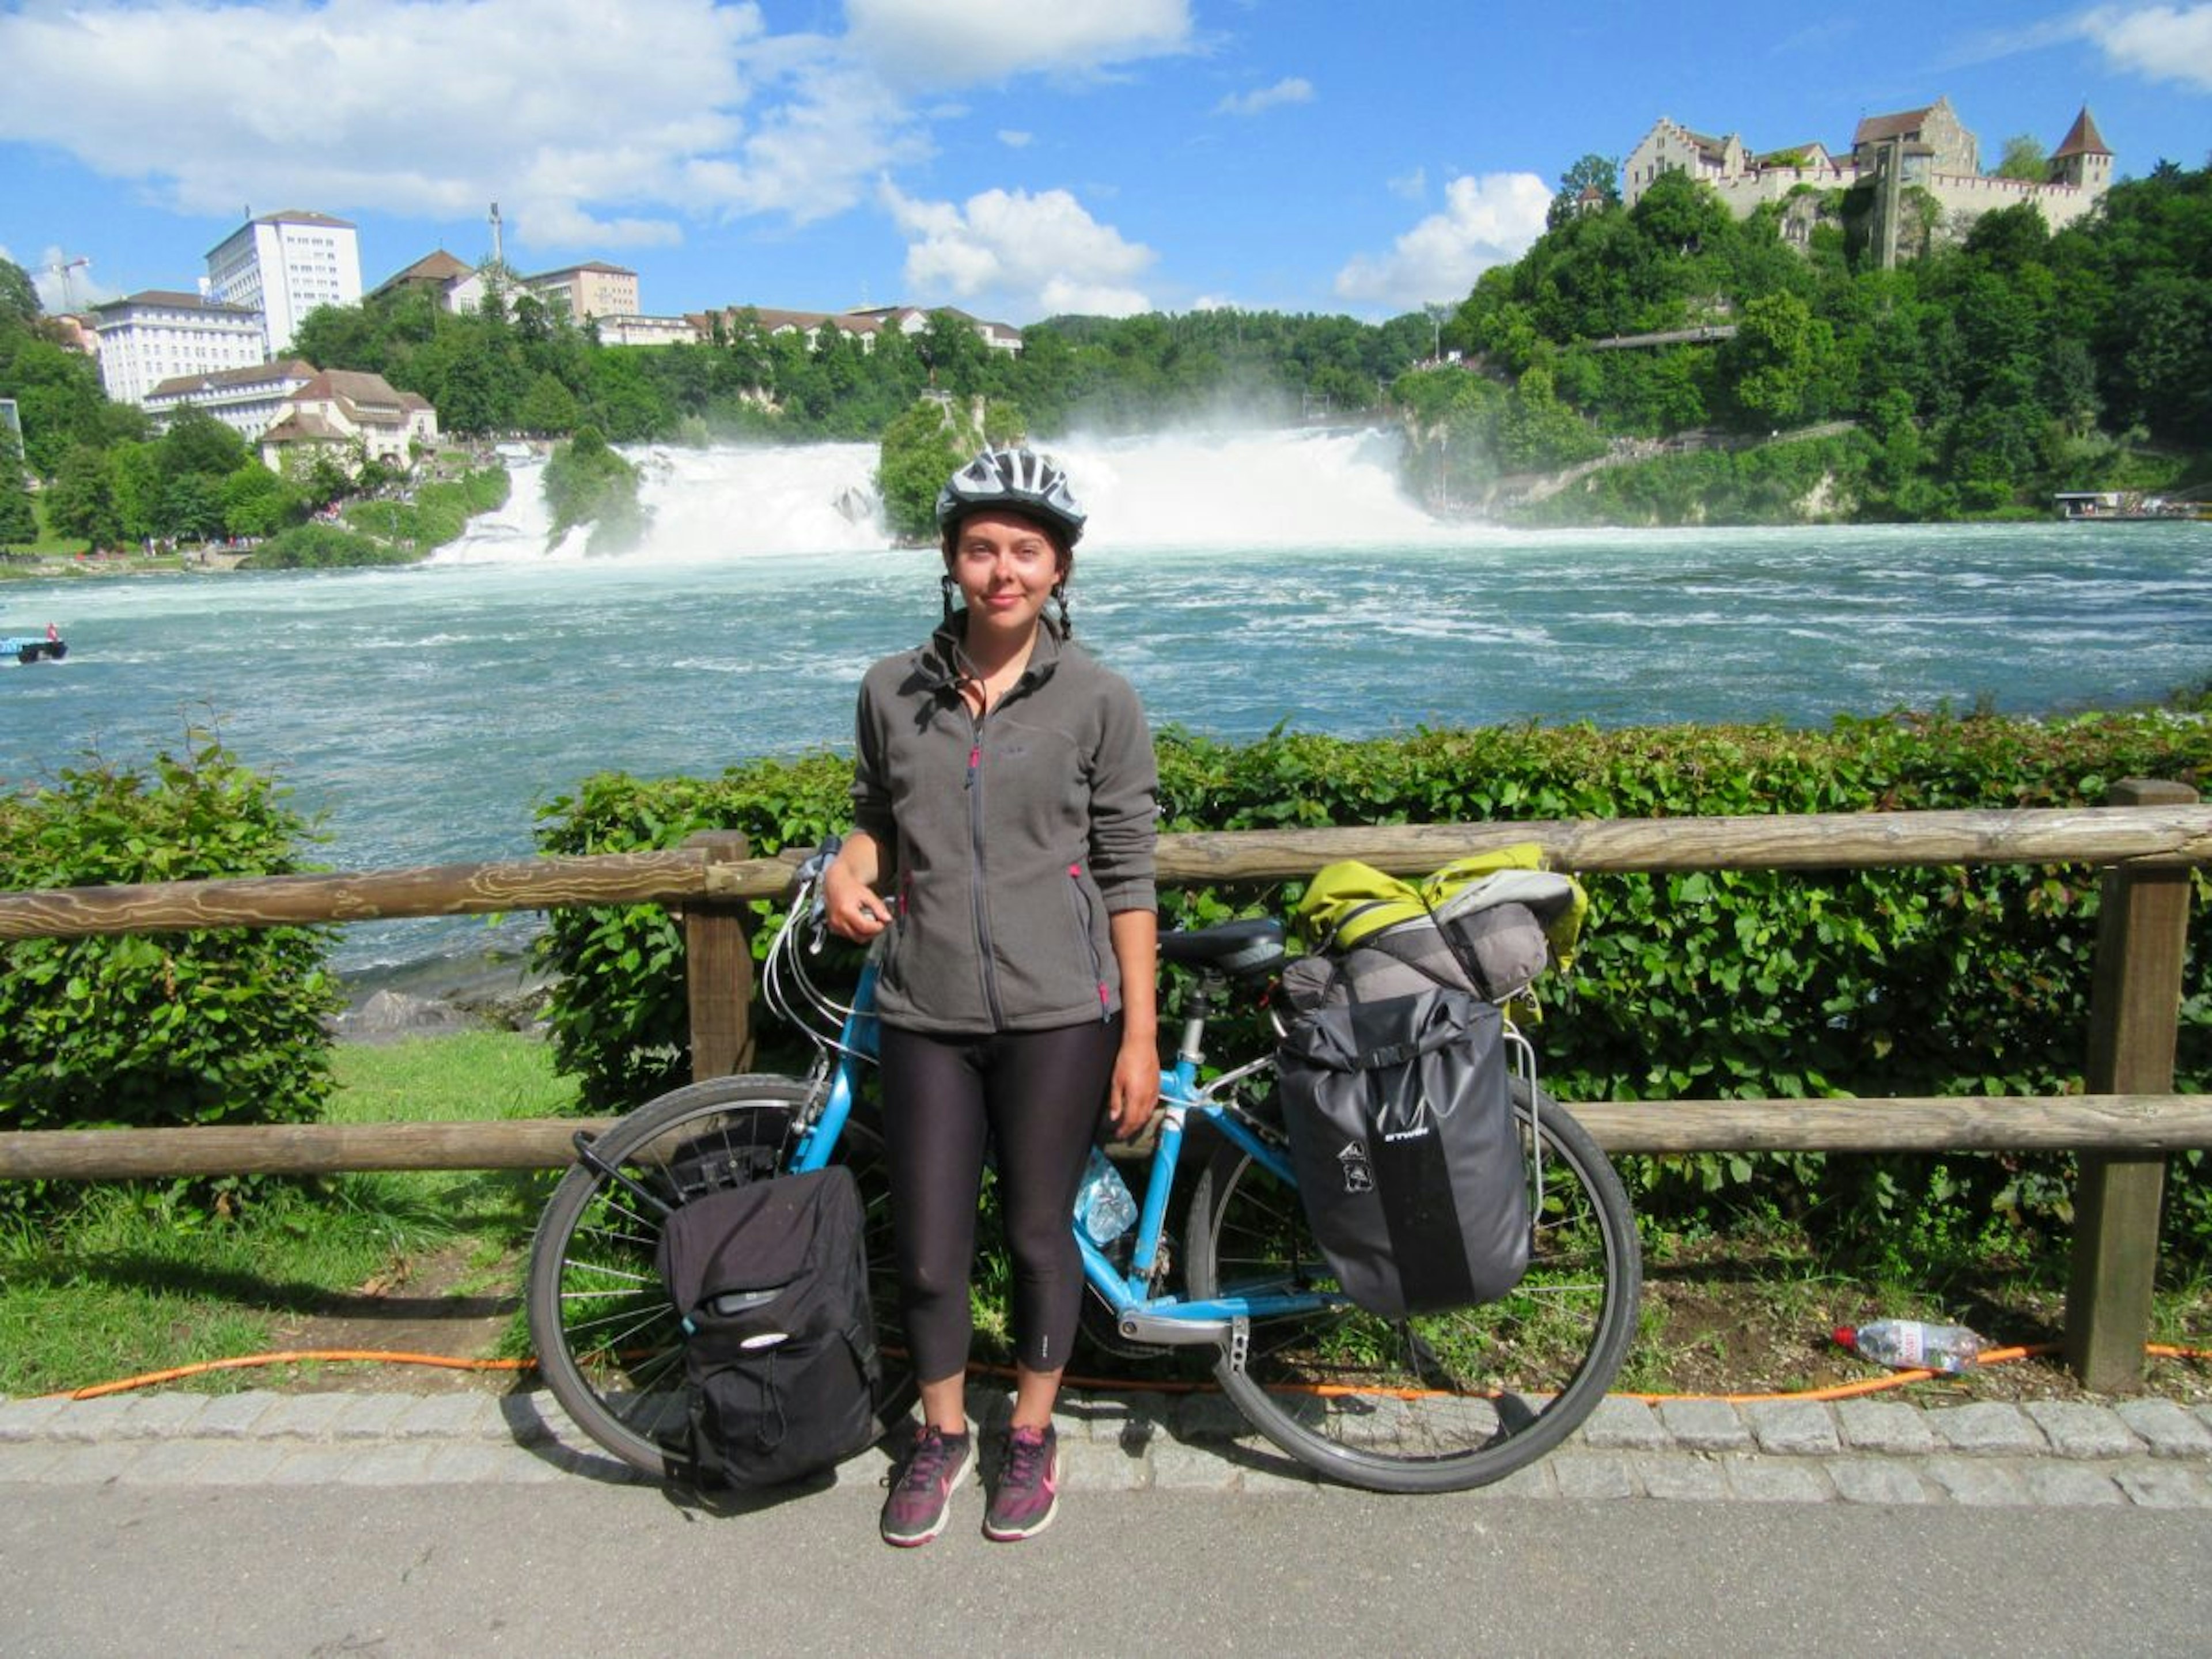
column 1006, row 566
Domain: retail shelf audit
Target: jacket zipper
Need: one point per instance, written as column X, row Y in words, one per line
column 975, row 785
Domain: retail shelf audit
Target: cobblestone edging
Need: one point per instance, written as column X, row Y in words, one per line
column 2151, row 1453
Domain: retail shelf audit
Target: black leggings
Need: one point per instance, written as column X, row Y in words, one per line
column 1041, row 1096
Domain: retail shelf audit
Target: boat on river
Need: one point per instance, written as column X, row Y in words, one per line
column 33, row 648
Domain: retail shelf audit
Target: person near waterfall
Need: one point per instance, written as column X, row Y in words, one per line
column 1005, row 817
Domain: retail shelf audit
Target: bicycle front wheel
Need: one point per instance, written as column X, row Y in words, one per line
column 602, row 1325
column 1441, row 1401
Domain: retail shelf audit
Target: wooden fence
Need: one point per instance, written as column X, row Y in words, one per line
column 2124, row 1123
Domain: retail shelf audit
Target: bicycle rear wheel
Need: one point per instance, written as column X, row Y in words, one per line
column 1441, row 1401
column 604, row 1331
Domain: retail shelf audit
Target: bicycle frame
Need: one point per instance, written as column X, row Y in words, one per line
column 1143, row 1315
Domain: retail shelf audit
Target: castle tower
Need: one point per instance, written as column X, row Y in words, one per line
column 2081, row 158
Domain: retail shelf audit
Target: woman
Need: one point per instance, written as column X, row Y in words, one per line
column 1003, row 820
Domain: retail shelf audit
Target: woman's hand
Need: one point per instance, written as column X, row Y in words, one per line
column 851, row 905
column 1135, row 1092
column 1136, row 1086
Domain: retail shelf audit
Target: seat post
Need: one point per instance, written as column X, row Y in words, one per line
column 1203, row 1000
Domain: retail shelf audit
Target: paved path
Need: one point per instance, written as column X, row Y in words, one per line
column 2148, row 1453
column 400, row 1525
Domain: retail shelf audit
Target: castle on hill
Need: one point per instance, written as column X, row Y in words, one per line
column 1927, row 149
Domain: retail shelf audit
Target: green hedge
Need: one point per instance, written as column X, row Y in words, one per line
column 159, row 1030
column 1725, row 985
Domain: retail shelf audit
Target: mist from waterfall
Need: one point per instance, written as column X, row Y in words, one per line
column 1283, row 488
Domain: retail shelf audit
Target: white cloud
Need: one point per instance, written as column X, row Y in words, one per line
column 1414, row 185
column 967, row 42
column 1486, row 220
column 1013, row 140
column 1292, row 90
column 562, row 110
column 2159, row 43
column 1034, row 254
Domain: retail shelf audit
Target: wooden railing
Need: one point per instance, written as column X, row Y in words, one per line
column 2123, row 1125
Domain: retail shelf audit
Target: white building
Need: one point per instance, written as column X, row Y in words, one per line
column 349, row 414
column 865, row 325
column 647, row 331
column 283, row 266
column 247, row 400
column 459, row 286
column 159, row 336
column 593, row 288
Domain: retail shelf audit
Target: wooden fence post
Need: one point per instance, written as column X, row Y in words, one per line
column 719, row 972
column 2143, row 934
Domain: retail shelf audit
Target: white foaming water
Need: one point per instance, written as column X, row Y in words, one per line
column 1280, row 489
column 514, row 534
column 1248, row 490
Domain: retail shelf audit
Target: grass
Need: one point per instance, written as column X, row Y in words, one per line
column 138, row 1279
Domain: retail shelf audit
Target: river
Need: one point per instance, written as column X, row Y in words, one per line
column 1241, row 581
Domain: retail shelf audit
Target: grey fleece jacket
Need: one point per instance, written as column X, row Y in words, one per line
column 1013, row 837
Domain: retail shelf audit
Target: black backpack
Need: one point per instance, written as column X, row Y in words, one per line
column 770, row 1279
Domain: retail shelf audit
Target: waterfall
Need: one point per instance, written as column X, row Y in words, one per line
column 1241, row 490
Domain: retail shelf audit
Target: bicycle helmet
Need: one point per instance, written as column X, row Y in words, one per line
column 1020, row 479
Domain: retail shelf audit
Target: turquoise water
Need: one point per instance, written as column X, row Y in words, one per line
column 423, row 714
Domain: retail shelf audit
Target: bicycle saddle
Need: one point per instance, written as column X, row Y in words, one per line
column 1254, row 945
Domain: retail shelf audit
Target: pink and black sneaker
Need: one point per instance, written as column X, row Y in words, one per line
column 1027, row 1495
column 921, row 1493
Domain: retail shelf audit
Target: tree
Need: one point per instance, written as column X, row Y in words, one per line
column 137, row 482
column 197, row 442
column 2024, row 158
column 258, row 502
column 956, row 355
column 81, row 502
column 1601, row 172
column 2010, row 238
column 19, row 519
column 191, row 506
column 58, row 394
column 18, row 296
column 341, row 337
column 1680, row 215
column 586, row 483
column 1780, row 354
column 548, row 407
column 920, row 450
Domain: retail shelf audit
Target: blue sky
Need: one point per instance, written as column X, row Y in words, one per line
column 1015, row 158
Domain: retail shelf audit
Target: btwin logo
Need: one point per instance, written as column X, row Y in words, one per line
column 1418, row 1132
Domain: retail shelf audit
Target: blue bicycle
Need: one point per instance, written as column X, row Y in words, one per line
column 1435, row 1403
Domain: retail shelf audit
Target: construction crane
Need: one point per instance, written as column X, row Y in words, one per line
column 62, row 268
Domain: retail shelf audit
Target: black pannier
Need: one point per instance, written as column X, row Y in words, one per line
column 1408, row 1159
column 770, row 1279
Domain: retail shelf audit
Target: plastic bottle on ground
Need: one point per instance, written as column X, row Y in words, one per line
column 1103, row 1203
column 1910, row 1344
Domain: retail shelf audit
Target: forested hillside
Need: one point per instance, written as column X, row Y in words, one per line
column 1979, row 376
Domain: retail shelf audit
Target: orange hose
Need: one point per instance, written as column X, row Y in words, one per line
column 291, row 1356
column 1836, row 1391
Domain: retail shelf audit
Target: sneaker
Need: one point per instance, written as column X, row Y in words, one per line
column 1028, row 1493
column 921, row 1495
